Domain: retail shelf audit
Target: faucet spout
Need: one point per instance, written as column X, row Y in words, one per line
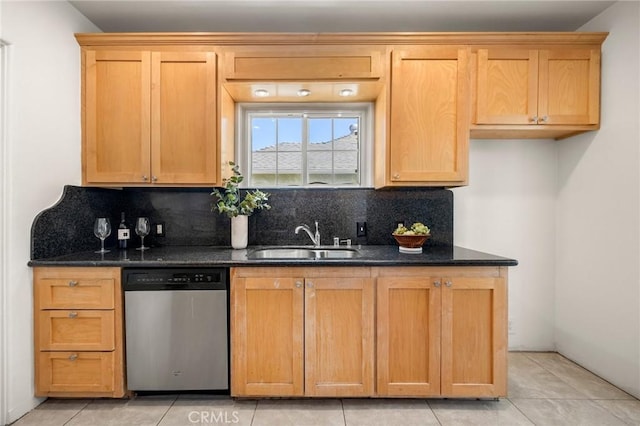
column 315, row 237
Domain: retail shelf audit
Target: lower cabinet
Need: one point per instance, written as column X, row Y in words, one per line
column 302, row 332
column 442, row 332
column 438, row 331
column 78, row 332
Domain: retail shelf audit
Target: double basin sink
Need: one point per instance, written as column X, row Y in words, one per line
column 306, row 253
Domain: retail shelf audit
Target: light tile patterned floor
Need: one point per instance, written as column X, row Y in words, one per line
column 544, row 389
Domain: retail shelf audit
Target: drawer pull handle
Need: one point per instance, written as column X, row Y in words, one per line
column 73, row 314
column 73, row 283
column 436, row 283
column 73, row 357
column 448, row 283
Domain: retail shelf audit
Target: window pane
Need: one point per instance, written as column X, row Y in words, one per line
column 263, row 133
column 320, row 133
column 263, row 180
column 345, row 162
column 347, row 179
column 344, row 126
column 289, row 168
column 320, row 161
column 289, row 134
column 264, row 162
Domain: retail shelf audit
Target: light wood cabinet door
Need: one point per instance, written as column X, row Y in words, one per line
column 474, row 337
column 507, row 86
column 293, row 63
column 408, row 336
column 80, row 330
column 183, row 118
column 339, row 337
column 76, row 373
column 569, row 86
column 75, row 293
column 267, row 337
column 116, row 136
column 538, row 87
column 429, row 125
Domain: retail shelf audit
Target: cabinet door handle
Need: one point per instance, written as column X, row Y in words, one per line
column 448, row 283
column 436, row 283
column 534, row 119
column 145, row 178
column 73, row 357
column 309, row 284
column 154, row 179
column 73, row 314
column 73, row 283
column 298, row 284
column 544, row 119
column 396, row 175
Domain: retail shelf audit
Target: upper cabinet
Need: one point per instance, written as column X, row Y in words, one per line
column 428, row 129
column 160, row 109
column 266, row 63
column 149, row 118
column 545, row 93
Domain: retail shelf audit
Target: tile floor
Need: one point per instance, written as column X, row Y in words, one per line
column 544, row 389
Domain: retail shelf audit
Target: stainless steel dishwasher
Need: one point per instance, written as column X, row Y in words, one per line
column 176, row 325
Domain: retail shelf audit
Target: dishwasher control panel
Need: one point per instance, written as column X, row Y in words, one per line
column 141, row 279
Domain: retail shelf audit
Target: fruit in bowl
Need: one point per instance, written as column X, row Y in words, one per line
column 413, row 237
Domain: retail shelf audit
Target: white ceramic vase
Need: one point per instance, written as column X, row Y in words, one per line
column 239, row 231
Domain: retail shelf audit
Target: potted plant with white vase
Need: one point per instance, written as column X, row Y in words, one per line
column 231, row 203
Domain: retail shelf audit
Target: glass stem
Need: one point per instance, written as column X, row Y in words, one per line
column 102, row 244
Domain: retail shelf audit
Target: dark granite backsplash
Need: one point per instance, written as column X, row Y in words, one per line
column 67, row 227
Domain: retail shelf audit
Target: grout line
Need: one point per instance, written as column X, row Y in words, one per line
column 78, row 412
column 522, row 412
column 435, row 415
column 167, row 411
column 253, row 416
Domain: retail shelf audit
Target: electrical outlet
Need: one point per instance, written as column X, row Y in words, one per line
column 361, row 229
column 159, row 229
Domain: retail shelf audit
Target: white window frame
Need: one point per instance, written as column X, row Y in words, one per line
column 365, row 133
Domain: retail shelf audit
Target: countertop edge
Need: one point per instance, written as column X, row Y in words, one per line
column 204, row 256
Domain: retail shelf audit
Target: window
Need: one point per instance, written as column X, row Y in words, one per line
column 304, row 145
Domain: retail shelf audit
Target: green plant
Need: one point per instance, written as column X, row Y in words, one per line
column 230, row 201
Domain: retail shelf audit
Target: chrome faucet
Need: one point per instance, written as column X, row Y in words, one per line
column 315, row 238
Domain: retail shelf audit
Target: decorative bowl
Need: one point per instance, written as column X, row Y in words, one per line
column 411, row 241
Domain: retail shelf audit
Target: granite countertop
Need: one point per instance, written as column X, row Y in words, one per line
column 204, row 256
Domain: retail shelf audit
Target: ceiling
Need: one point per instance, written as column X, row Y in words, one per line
column 338, row 15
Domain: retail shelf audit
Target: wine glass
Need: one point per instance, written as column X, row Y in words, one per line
column 102, row 229
column 142, row 230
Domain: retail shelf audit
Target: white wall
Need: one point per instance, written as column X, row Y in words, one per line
column 598, row 217
column 509, row 209
column 43, row 154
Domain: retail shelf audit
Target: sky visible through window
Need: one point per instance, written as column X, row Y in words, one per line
column 289, row 129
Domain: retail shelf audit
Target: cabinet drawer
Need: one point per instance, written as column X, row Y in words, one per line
column 76, row 330
column 75, row 293
column 65, row 372
column 303, row 64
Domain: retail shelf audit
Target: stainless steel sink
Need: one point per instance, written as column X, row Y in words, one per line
column 303, row 253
